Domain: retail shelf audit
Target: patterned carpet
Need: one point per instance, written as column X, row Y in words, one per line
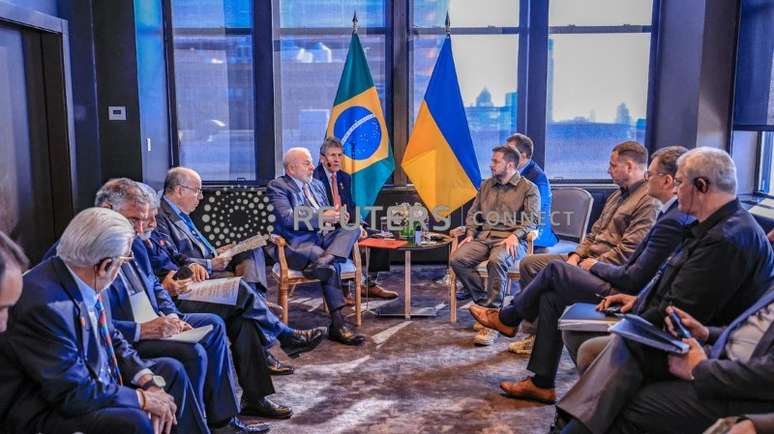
column 423, row 375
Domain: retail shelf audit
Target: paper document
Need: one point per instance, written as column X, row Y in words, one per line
column 191, row 336
column 220, row 291
column 245, row 245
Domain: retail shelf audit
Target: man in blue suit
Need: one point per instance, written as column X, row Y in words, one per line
column 529, row 169
column 560, row 284
column 145, row 313
column 63, row 365
column 338, row 189
column 317, row 243
column 178, row 242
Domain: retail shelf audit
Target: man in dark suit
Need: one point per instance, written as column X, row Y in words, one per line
column 338, row 188
column 250, row 315
column 732, row 377
column 560, row 284
column 145, row 313
column 529, row 169
column 722, row 267
column 316, row 241
column 78, row 372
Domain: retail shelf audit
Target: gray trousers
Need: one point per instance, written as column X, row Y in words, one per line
column 465, row 260
column 584, row 347
column 530, row 266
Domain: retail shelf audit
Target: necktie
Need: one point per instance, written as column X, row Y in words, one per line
column 335, row 191
column 195, row 232
column 310, row 196
column 107, row 343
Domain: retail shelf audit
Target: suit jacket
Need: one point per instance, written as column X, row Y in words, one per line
column 661, row 240
column 50, row 334
column 764, row 423
column 163, row 255
column 344, row 182
column 117, row 293
column 546, row 236
column 174, row 229
column 724, row 265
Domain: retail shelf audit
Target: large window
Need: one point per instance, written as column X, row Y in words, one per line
column 213, row 76
column 485, row 45
column 574, row 70
column 311, row 42
column 597, row 83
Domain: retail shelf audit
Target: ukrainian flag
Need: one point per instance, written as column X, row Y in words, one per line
column 357, row 121
column 439, row 158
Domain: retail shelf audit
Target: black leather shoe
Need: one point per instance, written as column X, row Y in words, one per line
column 302, row 341
column 315, row 270
column 266, row 408
column 276, row 367
column 236, row 426
column 462, row 295
column 345, row 336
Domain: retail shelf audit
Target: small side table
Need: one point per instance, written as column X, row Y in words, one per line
column 438, row 241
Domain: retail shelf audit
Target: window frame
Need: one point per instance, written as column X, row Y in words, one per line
column 533, row 32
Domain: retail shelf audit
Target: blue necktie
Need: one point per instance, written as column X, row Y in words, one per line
column 201, row 238
column 720, row 344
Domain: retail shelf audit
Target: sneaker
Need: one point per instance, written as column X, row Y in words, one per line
column 477, row 326
column 522, row 347
column 486, row 337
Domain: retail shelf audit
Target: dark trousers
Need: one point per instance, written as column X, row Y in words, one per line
column 118, row 420
column 249, row 360
column 251, row 305
column 674, row 407
column 612, row 380
column 338, row 243
column 207, row 363
column 555, row 287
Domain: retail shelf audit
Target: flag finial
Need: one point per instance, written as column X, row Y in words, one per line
column 354, row 23
column 448, row 24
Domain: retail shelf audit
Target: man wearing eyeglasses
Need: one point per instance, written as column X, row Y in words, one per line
column 142, row 310
column 65, row 368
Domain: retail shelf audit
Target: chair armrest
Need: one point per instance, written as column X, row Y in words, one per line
column 531, row 237
column 356, row 257
column 283, row 261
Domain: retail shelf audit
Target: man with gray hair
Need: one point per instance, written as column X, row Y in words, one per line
column 309, row 248
column 80, row 374
column 146, row 314
column 722, row 267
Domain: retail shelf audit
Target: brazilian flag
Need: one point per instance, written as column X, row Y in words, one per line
column 357, row 121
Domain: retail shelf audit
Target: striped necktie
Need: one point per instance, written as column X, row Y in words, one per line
column 107, row 343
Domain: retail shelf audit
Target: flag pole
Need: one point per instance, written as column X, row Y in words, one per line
column 448, row 24
column 354, row 23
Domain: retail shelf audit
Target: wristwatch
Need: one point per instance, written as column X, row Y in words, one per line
column 155, row 381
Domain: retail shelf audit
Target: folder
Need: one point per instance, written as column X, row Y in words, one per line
column 638, row 329
column 585, row 317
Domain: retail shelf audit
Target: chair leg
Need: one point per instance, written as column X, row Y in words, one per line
column 452, row 297
column 283, row 301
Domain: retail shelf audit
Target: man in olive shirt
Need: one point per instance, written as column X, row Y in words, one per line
column 627, row 216
column 505, row 210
